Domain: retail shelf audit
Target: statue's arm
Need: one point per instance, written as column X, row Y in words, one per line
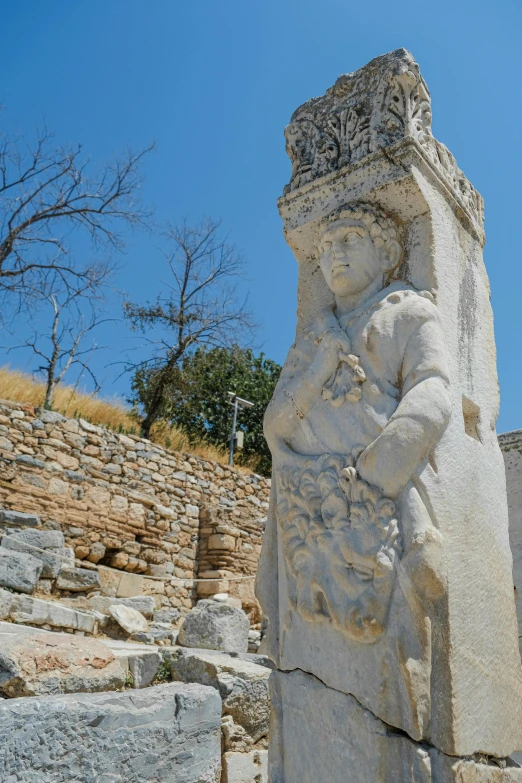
column 420, row 418
column 301, row 384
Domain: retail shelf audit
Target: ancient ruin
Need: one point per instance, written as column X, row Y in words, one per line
column 386, row 570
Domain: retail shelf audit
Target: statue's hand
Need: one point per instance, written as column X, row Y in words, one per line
column 389, row 481
column 333, row 347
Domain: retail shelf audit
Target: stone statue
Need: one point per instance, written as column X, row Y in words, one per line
column 385, row 572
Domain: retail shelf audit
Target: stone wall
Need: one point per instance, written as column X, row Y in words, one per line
column 230, row 545
column 511, row 446
column 125, row 502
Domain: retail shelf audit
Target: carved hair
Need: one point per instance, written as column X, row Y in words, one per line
column 384, row 230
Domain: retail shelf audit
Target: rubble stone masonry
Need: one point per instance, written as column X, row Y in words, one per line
column 127, row 503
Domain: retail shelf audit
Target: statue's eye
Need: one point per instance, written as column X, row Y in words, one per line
column 327, row 246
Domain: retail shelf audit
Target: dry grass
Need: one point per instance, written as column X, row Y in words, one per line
column 20, row 387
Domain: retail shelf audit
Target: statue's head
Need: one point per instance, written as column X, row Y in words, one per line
column 357, row 244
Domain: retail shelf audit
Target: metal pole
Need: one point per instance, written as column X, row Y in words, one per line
column 233, row 435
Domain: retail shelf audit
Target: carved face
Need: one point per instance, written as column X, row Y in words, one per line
column 340, row 542
column 349, row 260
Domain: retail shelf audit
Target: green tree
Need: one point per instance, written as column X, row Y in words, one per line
column 199, row 307
column 196, row 398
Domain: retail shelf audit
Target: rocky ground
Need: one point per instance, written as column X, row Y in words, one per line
column 103, row 688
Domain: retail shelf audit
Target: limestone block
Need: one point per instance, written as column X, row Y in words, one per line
column 35, row 611
column 143, row 667
column 50, row 417
column 19, row 571
column 78, row 580
column 249, row 767
column 222, row 541
column 165, row 615
column 130, row 619
column 215, row 626
column 44, row 539
column 129, row 585
column 96, row 552
column 306, row 716
column 54, row 556
column 142, row 603
column 110, row 581
column 243, row 686
column 18, row 518
column 45, row 663
column 212, row 586
column 168, row 733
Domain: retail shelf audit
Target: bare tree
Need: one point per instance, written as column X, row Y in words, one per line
column 201, row 308
column 62, row 345
column 47, row 192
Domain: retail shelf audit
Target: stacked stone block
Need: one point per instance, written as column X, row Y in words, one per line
column 122, row 501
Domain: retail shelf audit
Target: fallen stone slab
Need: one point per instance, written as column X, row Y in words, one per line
column 18, row 629
column 243, row 685
column 249, row 767
column 144, row 604
column 35, row 611
column 45, row 663
column 18, row 518
column 44, row 539
column 129, row 619
column 215, row 626
column 78, row 579
column 168, row 733
column 53, row 558
column 19, row 570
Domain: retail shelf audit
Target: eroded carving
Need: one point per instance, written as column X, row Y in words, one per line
column 383, row 103
column 361, row 403
column 340, row 541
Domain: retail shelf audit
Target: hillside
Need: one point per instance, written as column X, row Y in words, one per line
column 20, row 387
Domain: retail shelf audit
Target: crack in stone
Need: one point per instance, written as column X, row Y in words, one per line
column 389, row 730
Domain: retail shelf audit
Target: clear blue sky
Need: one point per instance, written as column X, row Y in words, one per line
column 215, row 81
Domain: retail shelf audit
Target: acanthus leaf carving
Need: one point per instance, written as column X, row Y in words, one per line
column 386, row 102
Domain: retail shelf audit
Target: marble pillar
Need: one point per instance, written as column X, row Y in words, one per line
column 385, row 573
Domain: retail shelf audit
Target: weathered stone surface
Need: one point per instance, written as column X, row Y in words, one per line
column 19, row 629
column 308, row 716
column 243, row 686
column 389, row 492
column 144, row 667
column 215, row 626
column 19, row 571
column 6, row 601
column 249, row 767
column 166, row 615
column 130, row 619
column 35, row 611
column 18, row 518
column 511, row 445
column 44, row 539
column 54, row 556
column 46, row 663
column 142, row 603
column 168, row 733
column 78, row 579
